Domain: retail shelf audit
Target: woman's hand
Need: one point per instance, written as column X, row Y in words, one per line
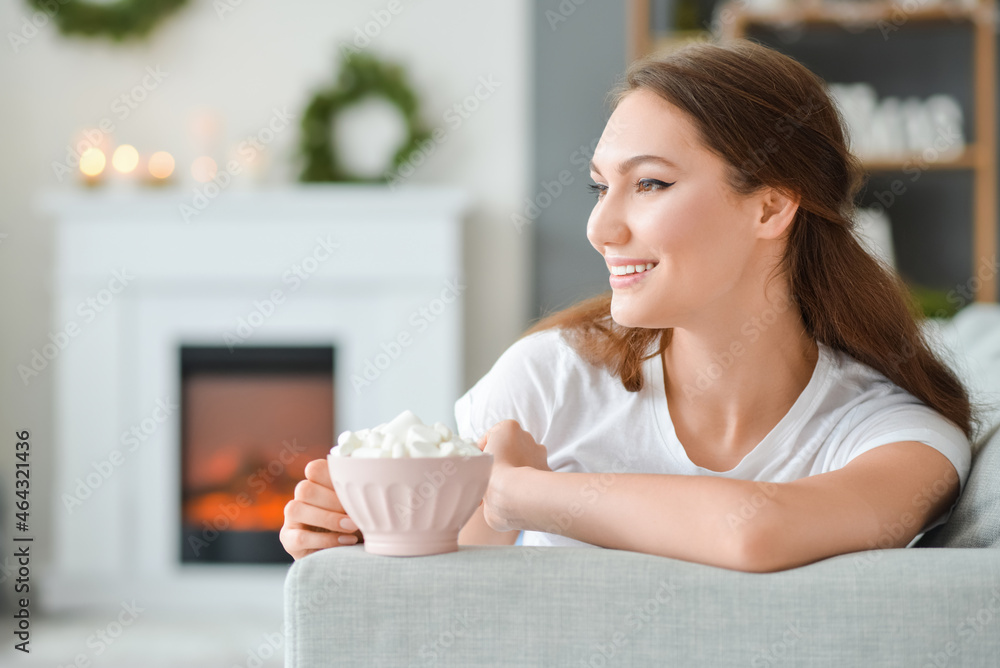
column 313, row 518
column 512, row 448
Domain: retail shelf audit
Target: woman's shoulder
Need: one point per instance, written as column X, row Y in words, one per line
column 539, row 364
column 871, row 410
column 544, row 348
column 523, row 384
column 855, row 378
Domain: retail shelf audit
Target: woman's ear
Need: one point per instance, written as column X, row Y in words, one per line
column 778, row 210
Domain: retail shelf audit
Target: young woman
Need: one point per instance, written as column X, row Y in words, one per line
column 755, row 392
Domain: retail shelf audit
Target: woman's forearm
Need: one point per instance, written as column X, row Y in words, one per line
column 477, row 532
column 716, row 521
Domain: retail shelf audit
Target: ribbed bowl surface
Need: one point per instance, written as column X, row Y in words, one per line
column 410, row 506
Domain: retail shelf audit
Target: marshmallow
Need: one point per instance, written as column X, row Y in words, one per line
column 401, row 423
column 404, row 436
column 443, row 430
column 370, row 453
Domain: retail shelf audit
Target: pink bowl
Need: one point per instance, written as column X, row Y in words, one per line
column 410, row 506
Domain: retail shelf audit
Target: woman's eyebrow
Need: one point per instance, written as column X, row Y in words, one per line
column 629, row 163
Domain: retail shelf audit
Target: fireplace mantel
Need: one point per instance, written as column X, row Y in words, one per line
column 374, row 272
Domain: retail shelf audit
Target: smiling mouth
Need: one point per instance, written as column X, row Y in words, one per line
column 625, row 269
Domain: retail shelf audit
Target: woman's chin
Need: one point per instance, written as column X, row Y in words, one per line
column 627, row 317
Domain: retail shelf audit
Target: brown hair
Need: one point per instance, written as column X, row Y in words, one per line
column 774, row 124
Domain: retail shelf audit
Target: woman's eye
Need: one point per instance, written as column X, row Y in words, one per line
column 640, row 186
column 650, row 185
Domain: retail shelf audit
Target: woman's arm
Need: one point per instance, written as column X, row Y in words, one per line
column 882, row 498
column 477, row 532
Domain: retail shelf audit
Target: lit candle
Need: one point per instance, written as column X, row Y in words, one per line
column 160, row 167
column 92, row 162
column 125, row 159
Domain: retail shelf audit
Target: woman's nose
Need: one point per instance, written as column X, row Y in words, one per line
column 606, row 226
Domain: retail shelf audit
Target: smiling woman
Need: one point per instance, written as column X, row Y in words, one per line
column 755, row 392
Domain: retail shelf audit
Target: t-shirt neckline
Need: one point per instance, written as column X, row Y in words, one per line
column 801, row 409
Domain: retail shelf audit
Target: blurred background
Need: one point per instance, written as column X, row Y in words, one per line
column 231, row 230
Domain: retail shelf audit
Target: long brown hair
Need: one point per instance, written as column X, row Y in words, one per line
column 774, row 124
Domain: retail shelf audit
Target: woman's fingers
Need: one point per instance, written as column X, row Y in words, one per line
column 313, row 518
column 317, row 488
column 317, row 495
column 300, row 512
column 308, row 529
column 318, row 470
column 300, row 541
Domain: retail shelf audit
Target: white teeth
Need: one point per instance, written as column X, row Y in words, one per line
column 622, row 270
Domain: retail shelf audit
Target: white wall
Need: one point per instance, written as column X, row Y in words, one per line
column 241, row 66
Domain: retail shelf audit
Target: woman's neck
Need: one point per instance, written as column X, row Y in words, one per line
column 727, row 386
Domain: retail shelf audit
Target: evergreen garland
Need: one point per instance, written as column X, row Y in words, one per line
column 118, row 20
column 360, row 76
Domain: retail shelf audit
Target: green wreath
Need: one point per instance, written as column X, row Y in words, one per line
column 121, row 19
column 360, row 76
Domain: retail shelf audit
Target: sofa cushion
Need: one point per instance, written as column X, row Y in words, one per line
column 975, row 522
column 488, row 606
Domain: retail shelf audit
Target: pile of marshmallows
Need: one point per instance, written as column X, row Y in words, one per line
column 404, row 436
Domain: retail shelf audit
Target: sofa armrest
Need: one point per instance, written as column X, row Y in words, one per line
column 532, row 606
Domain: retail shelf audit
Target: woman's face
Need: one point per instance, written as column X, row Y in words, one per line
column 663, row 200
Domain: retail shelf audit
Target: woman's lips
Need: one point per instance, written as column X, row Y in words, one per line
column 628, row 279
column 628, row 271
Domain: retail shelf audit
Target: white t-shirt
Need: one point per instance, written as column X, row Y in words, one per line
column 590, row 423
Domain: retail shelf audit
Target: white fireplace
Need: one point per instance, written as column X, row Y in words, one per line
column 375, row 274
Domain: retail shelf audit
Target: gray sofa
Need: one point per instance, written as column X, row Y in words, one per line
column 935, row 604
